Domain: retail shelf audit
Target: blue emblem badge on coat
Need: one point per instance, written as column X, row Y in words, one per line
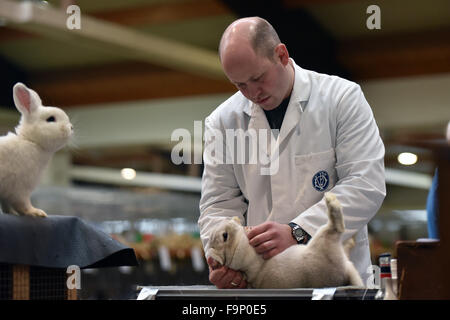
column 321, row 180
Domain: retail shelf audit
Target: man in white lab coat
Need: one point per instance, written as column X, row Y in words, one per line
column 327, row 141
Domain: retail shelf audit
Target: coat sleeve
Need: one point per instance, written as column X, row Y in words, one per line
column 360, row 185
column 221, row 196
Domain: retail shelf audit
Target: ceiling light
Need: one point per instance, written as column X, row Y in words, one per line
column 128, row 173
column 407, row 158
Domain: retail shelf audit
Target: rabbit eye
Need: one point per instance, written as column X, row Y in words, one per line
column 51, row 119
column 225, row 236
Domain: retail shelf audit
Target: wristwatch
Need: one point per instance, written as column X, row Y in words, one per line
column 299, row 235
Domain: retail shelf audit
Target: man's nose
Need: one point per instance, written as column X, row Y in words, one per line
column 254, row 90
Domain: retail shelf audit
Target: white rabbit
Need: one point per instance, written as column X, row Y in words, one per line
column 25, row 154
column 323, row 262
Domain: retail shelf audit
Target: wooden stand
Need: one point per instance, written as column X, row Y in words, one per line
column 424, row 268
column 21, row 282
column 35, row 283
column 35, row 256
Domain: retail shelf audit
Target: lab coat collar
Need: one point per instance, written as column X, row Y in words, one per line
column 300, row 92
column 302, row 86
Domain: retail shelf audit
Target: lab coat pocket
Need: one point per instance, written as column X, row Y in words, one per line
column 316, row 173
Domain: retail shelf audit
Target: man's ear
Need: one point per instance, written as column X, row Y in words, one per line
column 281, row 53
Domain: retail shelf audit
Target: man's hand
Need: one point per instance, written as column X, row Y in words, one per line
column 270, row 238
column 225, row 278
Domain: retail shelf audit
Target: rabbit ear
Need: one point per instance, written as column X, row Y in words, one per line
column 25, row 99
column 235, row 218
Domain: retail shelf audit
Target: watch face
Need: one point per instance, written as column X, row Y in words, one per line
column 299, row 233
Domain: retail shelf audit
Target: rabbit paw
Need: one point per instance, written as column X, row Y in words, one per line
column 36, row 213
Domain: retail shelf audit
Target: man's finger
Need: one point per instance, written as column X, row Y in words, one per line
column 225, row 281
column 259, row 239
column 254, row 231
column 242, row 285
column 215, row 276
column 228, row 276
column 265, row 247
column 236, row 281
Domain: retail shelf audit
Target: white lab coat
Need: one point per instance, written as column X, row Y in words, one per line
column 328, row 127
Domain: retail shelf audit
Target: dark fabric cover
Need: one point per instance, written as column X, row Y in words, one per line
column 58, row 242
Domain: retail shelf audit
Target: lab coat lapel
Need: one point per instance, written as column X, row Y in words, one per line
column 258, row 118
column 290, row 121
column 299, row 97
column 266, row 142
column 300, row 93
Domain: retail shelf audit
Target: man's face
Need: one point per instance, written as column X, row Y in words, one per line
column 259, row 79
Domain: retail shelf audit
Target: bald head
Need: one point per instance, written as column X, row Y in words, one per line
column 255, row 61
column 254, row 32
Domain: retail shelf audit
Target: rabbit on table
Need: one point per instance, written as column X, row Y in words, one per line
column 24, row 154
column 323, row 262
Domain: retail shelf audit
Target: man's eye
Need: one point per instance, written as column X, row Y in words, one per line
column 259, row 78
column 51, row 119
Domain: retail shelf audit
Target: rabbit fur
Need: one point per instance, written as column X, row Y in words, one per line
column 323, row 262
column 25, row 154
